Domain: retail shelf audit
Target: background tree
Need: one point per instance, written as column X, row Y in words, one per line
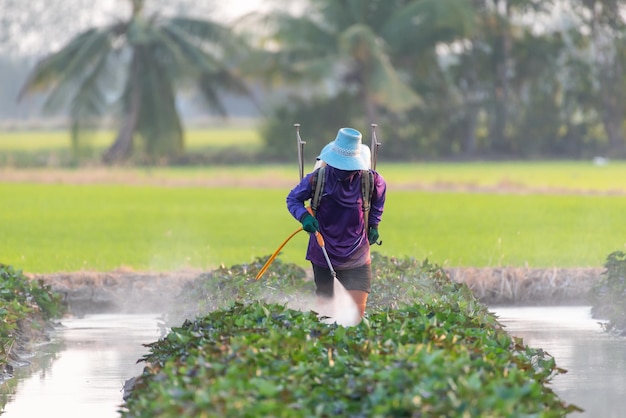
column 604, row 21
column 369, row 50
column 141, row 62
column 442, row 78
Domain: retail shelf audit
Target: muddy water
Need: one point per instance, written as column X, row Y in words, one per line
column 596, row 361
column 99, row 353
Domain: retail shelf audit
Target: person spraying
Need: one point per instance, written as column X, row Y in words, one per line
column 342, row 216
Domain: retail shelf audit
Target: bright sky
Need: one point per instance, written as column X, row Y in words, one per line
column 236, row 8
column 34, row 27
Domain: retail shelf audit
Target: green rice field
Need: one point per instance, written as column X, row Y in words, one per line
column 480, row 214
column 69, row 227
column 59, row 140
column 36, row 148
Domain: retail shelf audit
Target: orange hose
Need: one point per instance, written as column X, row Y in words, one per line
column 273, row 256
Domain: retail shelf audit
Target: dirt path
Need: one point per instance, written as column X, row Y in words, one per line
column 267, row 179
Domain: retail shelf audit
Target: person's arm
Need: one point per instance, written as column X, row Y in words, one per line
column 298, row 196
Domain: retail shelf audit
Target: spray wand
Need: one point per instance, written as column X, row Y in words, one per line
column 320, row 242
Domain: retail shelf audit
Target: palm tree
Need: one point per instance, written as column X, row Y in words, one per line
column 339, row 41
column 378, row 53
column 156, row 56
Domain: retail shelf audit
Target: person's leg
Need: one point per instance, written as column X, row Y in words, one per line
column 324, row 281
column 357, row 282
column 360, row 299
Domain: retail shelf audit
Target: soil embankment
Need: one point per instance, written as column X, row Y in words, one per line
column 117, row 291
column 528, row 286
column 136, row 292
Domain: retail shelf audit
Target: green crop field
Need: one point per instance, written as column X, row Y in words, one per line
column 52, row 147
column 65, row 227
column 36, row 141
column 480, row 214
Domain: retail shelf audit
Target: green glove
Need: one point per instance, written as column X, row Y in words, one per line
column 372, row 235
column 309, row 223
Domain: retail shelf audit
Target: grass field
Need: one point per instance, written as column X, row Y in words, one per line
column 45, row 140
column 481, row 214
column 70, row 227
column 52, row 148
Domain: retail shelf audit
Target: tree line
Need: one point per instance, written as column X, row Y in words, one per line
column 453, row 79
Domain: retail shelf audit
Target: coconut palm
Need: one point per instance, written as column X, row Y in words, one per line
column 368, row 47
column 155, row 56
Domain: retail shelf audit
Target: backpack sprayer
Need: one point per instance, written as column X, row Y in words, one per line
column 318, row 236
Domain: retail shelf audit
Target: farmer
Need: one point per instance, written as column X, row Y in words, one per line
column 340, row 218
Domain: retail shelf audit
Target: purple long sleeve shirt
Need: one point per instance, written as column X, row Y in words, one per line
column 340, row 216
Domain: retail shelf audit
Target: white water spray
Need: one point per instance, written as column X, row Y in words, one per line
column 341, row 308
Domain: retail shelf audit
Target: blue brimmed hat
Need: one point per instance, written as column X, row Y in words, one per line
column 345, row 152
column 366, row 154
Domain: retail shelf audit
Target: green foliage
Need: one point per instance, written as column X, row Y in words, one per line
column 223, row 286
column 161, row 55
column 216, row 146
column 438, row 352
column 609, row 293
column 21, row 298
column 336, row 112
column 33, row 294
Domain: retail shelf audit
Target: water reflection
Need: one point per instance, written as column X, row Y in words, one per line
column 99, row 353
column 596, row 361
column 86, row 379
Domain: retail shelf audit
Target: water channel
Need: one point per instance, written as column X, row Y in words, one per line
column 595, row 360
column 98, row 353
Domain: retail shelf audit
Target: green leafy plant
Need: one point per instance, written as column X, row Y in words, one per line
column 23, row 303
column 427, row 347
column 609, row 293
column 223, row 286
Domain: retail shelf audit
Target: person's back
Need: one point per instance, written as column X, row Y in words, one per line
column 341, row 220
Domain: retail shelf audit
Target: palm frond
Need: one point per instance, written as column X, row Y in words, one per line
column 209, row 50
column 389, row 90
column 424, row 23
column 301, row 49
column 64, row 67
column 188, row 56
column 207, row 32
column 212, row 83
column 374, row 70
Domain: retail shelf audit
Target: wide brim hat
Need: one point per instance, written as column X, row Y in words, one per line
column 366, row 154
column 346, row 151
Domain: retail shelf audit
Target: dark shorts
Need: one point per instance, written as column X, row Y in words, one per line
column 359, row 278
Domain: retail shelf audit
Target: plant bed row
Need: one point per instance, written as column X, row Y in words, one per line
column 427, row 347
